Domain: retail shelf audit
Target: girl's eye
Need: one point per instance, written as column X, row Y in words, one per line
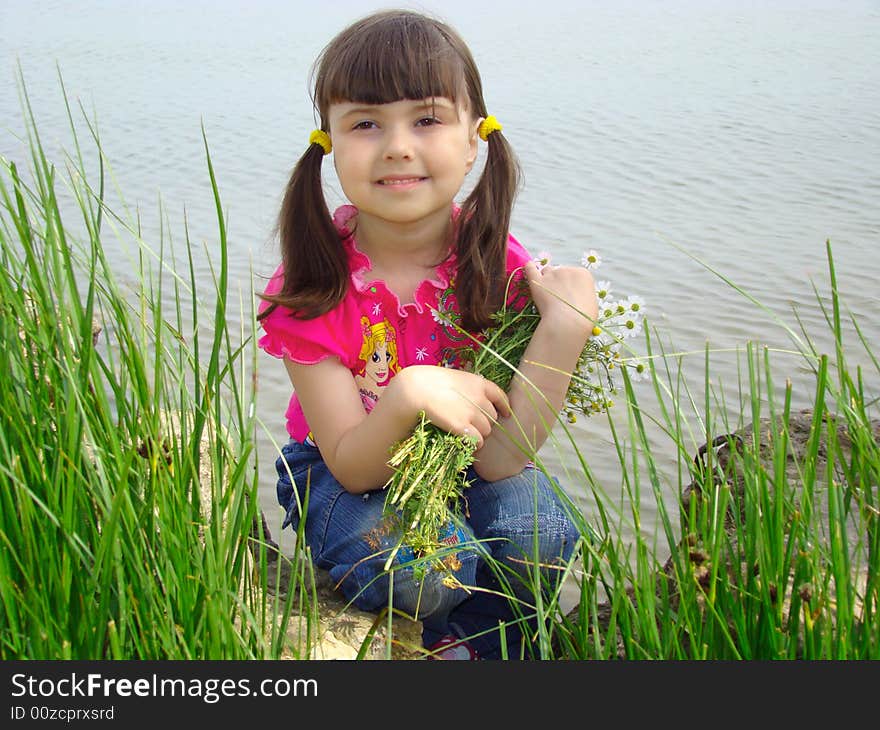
column 427, row 122
column 364, row 125
column 388, row 356
column 375, row 357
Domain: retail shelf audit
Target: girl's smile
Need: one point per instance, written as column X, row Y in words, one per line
column 400, row 182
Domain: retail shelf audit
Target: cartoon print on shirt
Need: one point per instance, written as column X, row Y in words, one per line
column 377, row 360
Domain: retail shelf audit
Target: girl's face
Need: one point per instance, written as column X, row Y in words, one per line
column 402, row 162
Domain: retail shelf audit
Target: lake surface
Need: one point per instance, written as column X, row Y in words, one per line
column 745, row 134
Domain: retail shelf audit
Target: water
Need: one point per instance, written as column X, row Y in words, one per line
column 744, row 134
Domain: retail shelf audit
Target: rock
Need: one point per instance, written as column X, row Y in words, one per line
column 719, row 465
column 725, row 457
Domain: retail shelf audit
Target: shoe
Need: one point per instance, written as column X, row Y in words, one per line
column 452, row 648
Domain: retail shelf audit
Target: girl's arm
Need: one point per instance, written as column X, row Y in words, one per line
column 566, row 299
column 356, row 445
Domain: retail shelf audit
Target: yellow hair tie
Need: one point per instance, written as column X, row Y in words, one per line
column 319, row 136
column 487, row 126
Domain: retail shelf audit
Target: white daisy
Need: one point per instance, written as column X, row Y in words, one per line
column 542, row 259
column 632, row 327
column 441, row 317
column 591, row 260
column 603, row 290
column 638, row 369
column 635, row 304
column 421, row 353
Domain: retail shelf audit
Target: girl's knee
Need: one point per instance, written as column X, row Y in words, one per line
column 547, row 541
column 536, row 561
column 529, row 522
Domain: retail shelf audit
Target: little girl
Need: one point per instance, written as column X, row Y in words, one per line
column 358, row 309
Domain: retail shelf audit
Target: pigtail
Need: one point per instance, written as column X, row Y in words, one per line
column 482, row 231
column 315, row 267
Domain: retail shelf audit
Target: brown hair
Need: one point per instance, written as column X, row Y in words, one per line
column 386, row 57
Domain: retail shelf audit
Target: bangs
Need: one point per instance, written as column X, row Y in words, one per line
column 389, row 58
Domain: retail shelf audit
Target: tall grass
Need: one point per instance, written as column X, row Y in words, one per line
column 128, row 494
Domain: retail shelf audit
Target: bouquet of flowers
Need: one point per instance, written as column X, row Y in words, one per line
column 430, row 466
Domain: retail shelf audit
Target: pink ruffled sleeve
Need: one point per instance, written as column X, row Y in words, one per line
column 304, row 341
column 517, row 256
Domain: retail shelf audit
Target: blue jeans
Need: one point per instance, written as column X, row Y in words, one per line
column 513, row 520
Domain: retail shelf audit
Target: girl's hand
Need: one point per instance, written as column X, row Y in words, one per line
column 565, row 296
column 456, row 401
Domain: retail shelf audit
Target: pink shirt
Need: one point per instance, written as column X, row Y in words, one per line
column 370, row 331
